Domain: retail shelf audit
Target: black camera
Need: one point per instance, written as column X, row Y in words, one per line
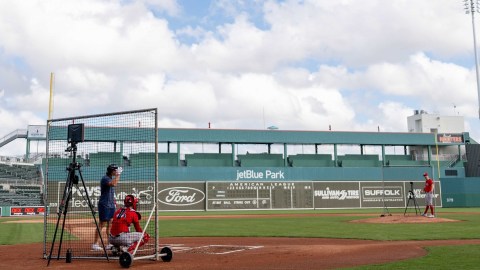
column 75, row 133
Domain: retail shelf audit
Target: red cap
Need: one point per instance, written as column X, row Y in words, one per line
column 425, row 174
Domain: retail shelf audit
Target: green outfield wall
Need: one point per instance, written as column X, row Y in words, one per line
column 226, row 179
column 453, row 192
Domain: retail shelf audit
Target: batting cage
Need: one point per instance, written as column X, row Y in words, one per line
column 93, row 162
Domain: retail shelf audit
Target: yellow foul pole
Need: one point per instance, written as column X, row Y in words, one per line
column 438, row 175
column 50, row 104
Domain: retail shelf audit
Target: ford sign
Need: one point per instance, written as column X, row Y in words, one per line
column 181, row 196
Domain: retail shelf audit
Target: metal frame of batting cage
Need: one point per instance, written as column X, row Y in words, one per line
column 154, row 211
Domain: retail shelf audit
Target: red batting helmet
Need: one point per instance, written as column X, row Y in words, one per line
column 130, row 201
column 425, row 174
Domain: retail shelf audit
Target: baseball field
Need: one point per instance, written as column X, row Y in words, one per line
column 310, row 239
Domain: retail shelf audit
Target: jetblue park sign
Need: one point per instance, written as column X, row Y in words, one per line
column 260, row 175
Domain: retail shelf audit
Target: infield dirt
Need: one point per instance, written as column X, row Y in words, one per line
column 202, row 253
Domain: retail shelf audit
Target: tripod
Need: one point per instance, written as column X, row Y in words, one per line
column 411, row 197
column 72, row 179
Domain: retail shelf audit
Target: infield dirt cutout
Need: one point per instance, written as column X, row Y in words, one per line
column 258, row 253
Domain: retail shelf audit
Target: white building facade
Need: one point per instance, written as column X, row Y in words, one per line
column 423, row 122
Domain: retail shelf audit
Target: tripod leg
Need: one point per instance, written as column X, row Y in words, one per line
column 61, row 211
column 406, row 207
column 93, row 214
column 54, row 237
column 63, row 226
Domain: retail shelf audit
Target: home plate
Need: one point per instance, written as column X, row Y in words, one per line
column 218, row 249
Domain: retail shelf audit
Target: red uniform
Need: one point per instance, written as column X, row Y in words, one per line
column 122, row 219
column 428, row 189
column 120, row 234
column 428, row 186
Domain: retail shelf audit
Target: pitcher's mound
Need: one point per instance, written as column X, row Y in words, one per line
column 400, row 218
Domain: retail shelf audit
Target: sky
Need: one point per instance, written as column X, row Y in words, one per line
column 344, row 65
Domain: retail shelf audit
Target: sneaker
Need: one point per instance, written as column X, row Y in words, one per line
column 96, row 247
column 109, row 246
column 431, row 216
column 424, row 215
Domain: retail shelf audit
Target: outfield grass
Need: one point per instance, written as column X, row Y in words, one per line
column 297, row 225
column 20, row 233
column 322, row 226
column 438, row 258
column 294, row 225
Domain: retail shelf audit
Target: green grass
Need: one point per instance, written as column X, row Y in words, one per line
column 254, row 224
column 322, row 226
column 20, row 233
column 24, row 233
column 438, row 258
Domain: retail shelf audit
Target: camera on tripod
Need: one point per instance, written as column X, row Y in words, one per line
column 76, row 133
column 74, row 136
column 411, row 197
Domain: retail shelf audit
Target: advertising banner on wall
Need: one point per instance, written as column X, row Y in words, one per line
column 27, row 211
column 200, row 196
column 414, row 191
column 340, row 194
column 259, row 195
column 450, row 138
column 36, row 132
column 181, row 196
column 78, row 202
column 171, row 195
column 373, row 194
column 336, row 195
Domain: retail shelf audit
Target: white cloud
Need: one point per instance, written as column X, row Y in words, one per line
column 312, row 64
column 433, row 84
column 374, row 31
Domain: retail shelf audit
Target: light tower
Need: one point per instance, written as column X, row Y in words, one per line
column 471, row 7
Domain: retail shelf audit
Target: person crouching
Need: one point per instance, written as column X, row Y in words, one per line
column 120, row 235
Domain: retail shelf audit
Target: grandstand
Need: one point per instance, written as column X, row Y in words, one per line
column 314, row 160
column 148, row 159
column 139, row 160
column 20, row 185
column 19, row 171
column 208, row 160
column 20, row 195
column 311, row 160
column 261, row 160
column 352, row 160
